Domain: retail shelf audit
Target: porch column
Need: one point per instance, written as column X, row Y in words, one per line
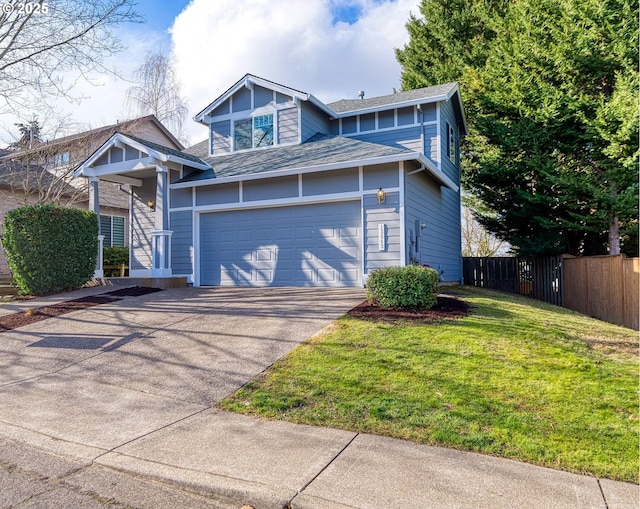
column 94, row 205
column 161, row 241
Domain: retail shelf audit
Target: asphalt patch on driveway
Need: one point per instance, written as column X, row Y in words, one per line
column 15, row 320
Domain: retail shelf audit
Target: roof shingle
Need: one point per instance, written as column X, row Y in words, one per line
column 321, row 149
column 419, row 94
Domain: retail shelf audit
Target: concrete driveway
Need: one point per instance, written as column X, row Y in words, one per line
column 96, row 379
column 103, row 403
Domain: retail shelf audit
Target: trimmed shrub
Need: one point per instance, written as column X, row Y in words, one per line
column 409, row 287
column 114, row 255
column 50, row 248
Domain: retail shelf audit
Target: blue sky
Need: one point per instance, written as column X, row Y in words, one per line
column 330, row 48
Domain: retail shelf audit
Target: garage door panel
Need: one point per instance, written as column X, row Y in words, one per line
column 302, row 245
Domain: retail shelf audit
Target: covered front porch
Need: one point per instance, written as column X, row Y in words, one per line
column 146, row 168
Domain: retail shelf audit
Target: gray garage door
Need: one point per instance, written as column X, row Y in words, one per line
column 302, row 245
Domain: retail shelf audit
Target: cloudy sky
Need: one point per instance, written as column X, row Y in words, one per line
column 330, row 48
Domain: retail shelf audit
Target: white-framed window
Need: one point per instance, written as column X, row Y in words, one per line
column 112, row 227
column 253, row 132
column 451, row 143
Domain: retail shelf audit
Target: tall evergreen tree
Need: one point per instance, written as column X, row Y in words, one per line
column 551, row 94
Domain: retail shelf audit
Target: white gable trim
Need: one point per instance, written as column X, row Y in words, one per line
column 118, row 140
column 249, row 81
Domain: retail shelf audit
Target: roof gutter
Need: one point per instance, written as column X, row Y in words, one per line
column 408, row 156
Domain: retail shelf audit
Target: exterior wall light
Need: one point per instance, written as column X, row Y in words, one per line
column 381, row 195
column 151, row 204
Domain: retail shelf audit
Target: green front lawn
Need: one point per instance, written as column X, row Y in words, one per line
column 517, row 378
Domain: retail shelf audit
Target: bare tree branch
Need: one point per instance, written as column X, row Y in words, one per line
column 158, row 92
column 38, row 45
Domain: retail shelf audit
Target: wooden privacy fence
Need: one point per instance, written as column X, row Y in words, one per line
column 605, row 287
column 538, row 278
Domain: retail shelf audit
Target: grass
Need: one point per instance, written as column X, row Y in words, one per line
column 516, row 378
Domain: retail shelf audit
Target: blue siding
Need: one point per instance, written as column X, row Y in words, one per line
column 429, row 112
column 270, row 189
column 181, row 197
column 216, row 195
column 447, row 116
column 439, row 244
column 143, row 223
column 221, row 137
column 313, row 121
column 262, row 96
column 223, row 109
column 431, row 142
column 182, row 242
column 329, row 182
column 241, row 100
column 408, row 137
column 288, row 125
column 380, row 176
column 374, row 215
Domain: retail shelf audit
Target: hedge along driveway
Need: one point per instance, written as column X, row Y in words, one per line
column 50, row 248
column 517, row 378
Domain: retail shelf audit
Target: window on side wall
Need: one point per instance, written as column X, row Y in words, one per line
column 451, row 143
column 253, row 132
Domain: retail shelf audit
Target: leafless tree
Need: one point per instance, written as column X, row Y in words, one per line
column 476, row 240
column 41, row 171
column 158, row 92
column 42, row 39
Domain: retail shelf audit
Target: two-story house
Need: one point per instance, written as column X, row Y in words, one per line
column 288, row 190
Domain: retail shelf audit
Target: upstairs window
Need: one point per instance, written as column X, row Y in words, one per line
column 254, row 132
column 451, row 144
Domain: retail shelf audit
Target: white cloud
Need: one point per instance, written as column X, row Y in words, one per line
column 96, row 99
column 290, row 42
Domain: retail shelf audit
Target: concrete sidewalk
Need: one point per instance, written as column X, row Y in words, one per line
column 128, row 386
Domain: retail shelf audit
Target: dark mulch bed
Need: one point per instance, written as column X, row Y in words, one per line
column 448, row 307
column 133, row 291
column 15, row 320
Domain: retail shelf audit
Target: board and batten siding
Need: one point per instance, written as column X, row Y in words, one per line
column 439, row 244
column 182, row 242
column 376, row 214
column 142, row 224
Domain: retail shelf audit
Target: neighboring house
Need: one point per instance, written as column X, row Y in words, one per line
column 289, row 190
column 42, row 174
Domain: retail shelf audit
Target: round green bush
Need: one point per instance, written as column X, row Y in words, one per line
column 409, row 287
column 50, row 248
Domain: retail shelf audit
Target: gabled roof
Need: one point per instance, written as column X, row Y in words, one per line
column 321, row 152
column 168, row 151
column 349, row 107
column 103, row 132
column 248, row 80
column 345, row 107
column 154, row 150
column 409, row 97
